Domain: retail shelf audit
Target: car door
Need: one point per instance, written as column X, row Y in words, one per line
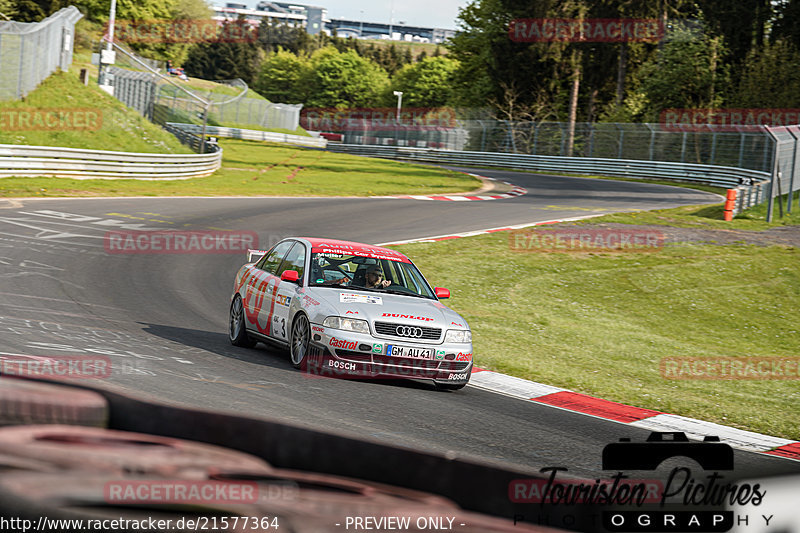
column 261, row 288
column 287, row 291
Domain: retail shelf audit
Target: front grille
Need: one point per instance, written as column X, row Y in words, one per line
column 426, row 364
column 390, row 330
column 353, row 356
column 454, row 366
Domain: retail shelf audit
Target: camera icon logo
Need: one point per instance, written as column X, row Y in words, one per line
column 711, row 454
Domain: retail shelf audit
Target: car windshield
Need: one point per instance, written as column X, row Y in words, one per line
column 366, row 273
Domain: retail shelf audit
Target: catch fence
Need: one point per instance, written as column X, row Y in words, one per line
column 31, row 51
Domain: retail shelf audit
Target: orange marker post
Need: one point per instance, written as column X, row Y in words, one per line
column 730, row 204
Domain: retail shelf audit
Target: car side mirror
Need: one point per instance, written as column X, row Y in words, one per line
column 441, row 292
column 290, row 275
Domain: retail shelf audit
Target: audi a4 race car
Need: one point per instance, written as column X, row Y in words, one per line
column 349, row 309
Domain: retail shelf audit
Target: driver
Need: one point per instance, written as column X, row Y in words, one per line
column 375, row 279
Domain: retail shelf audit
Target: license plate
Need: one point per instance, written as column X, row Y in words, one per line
column 406, row 351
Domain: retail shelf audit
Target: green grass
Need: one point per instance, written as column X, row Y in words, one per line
column 122, row 128
column 600, row 323
column 709, row 217
column 252, row 168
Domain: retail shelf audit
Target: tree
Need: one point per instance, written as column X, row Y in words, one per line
column 742, row 24
column 283, row 78
column 176, row 52
column 686, row 74
column 33, row 10
column 139, row 10
column 427, row 83
column 770, row 78
column 389, row 59
column 786, row 27
column 486, row 56
column 226, row 59
column 8, row 9
column 344, row 80
column 273, row 35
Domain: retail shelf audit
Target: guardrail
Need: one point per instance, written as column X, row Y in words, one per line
column 751, row 184
column 252, row 135
column 83, row 164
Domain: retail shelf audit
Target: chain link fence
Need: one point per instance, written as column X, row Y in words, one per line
column 143, row 84
column 243, row 112
column 771, row 150
column 749, row 148
column 31, row 51
column 786, row 170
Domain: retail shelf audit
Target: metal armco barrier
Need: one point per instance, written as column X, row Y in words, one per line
column 251, row 135
column 750, row 183
column 100, row 164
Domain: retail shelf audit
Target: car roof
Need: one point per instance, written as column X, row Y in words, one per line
column 355, row 248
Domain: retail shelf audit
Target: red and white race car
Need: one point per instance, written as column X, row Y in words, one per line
column 350, row 309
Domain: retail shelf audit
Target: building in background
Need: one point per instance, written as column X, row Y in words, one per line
column 396, row 32
column 315, row 20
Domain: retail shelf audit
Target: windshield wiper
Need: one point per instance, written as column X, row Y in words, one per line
column 351, row 288
column 401, row 293
column 369, row 289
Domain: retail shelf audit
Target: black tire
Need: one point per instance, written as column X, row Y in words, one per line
column 105, row 450
column 237, row 332
column 300, row 339
column 450, row 386
column 30, row 402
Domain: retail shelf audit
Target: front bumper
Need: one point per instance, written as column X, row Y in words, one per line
column 338, row 353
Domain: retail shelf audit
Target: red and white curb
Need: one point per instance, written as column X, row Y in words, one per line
column 513, row 193
column 629, row 415
column 449, row 236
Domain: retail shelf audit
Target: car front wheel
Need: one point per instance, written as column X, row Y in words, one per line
column 298, row 347
column 237, row 333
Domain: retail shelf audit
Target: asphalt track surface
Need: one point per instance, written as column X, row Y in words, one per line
column 162, row 319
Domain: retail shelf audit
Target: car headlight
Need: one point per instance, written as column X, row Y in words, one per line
column 346, row 324
column 461, row 336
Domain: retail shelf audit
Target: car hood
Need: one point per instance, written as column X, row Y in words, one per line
column 395, row 308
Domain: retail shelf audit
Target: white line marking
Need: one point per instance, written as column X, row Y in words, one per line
column 487, row 230
column 60, row 300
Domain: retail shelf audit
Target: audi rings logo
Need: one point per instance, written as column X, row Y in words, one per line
column 409, row 331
